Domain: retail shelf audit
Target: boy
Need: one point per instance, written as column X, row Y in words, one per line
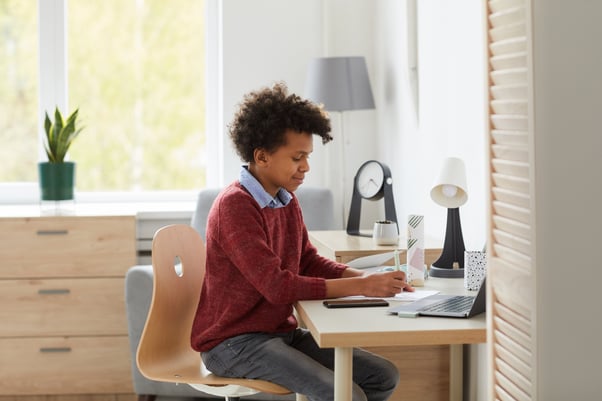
column 260, row 262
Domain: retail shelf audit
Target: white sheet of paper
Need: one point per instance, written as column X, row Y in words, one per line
column 403, row 296
column 371, row 260
column 414, row 296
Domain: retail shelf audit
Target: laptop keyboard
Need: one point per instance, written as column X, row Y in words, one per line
column 458, row 303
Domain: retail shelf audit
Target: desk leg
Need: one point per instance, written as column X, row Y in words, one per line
column 456, row 369
column 343, row 373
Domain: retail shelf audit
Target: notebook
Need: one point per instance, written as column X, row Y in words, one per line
column 444, row 305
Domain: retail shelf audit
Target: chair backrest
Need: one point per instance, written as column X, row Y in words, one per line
column 316, row 203
column 176, row 290
column 203, row 204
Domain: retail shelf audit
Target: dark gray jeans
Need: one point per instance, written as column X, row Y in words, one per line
column 294, row 361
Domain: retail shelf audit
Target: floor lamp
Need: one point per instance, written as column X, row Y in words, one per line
column 340, row 84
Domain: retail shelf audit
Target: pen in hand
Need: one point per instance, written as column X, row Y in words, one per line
column 398, row 265
column 396, row 257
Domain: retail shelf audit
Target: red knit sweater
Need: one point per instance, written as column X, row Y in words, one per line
column 259, row 262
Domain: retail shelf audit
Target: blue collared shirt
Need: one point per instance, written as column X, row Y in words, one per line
column 264, row 199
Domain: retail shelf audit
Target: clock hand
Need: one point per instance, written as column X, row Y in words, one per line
column 366, row 184
column 371, row 181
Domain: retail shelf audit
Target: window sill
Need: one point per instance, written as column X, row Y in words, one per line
column 24, row 199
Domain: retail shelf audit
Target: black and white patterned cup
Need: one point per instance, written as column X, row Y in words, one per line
column 475, row 269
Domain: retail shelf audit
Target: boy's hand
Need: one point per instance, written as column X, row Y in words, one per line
column 385, row 284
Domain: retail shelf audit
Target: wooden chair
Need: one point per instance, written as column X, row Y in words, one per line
column 164, row 352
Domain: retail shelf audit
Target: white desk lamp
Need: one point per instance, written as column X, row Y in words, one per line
column 449, row 191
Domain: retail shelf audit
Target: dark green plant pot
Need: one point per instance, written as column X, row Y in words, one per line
column 56, row 180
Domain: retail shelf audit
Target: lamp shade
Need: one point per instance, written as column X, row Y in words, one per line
column 450, row 188
column 339, row 83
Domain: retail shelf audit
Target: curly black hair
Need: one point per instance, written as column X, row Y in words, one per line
column 265, row 115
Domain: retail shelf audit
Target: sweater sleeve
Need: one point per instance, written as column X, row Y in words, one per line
column 315, row 265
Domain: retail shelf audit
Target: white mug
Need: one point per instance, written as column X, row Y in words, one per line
column 385, row 233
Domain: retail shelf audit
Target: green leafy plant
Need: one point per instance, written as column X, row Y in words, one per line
column 60, row 135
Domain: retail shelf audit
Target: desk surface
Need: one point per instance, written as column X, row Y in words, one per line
column 342, row 247
column 373, row 327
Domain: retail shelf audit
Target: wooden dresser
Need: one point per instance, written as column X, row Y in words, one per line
column 63, row 326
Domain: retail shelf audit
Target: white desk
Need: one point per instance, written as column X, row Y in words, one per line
column 344, row 329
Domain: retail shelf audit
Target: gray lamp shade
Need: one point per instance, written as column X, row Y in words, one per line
column 339, row 83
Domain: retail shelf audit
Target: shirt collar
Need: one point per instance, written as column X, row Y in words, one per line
column 264, row 199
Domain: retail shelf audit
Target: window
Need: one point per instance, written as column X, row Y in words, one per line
column 136, row 71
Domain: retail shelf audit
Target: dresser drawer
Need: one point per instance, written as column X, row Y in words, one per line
column 62, row 307
column 67, row 246
column 84, row 365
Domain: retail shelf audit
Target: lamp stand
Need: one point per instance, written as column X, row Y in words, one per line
column 343, row 167
column 451, row 262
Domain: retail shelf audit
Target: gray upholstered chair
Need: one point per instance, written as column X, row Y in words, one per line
column 318, row 213
column 317, row 205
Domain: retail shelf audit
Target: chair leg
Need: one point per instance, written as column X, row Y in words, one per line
column 147, row 397
column 232, row 398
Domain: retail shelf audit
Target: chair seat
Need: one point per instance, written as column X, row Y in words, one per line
column 194, row 374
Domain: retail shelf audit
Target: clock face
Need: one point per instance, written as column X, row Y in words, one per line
column 370, row 179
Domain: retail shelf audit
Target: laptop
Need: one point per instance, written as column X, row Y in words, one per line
column 463, row 306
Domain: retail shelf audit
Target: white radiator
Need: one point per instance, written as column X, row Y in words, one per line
column 147, row 223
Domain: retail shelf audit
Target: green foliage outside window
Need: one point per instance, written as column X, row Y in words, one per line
column 18, row 90
column 136, row 72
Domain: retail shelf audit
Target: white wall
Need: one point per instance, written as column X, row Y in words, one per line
column 567, row 60
column 263, row 41
column 269, row 40
column 449, row 117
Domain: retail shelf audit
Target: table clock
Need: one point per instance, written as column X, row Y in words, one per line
column 372, row 182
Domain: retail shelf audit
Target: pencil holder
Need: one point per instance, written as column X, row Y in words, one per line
column 475, row 269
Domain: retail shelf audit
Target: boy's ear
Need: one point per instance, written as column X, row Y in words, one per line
column 260, row 156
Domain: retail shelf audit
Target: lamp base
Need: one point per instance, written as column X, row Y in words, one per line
column 445, row 272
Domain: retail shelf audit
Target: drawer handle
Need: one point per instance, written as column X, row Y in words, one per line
column 55, row 349
column 54, row 291
column 52, row 232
